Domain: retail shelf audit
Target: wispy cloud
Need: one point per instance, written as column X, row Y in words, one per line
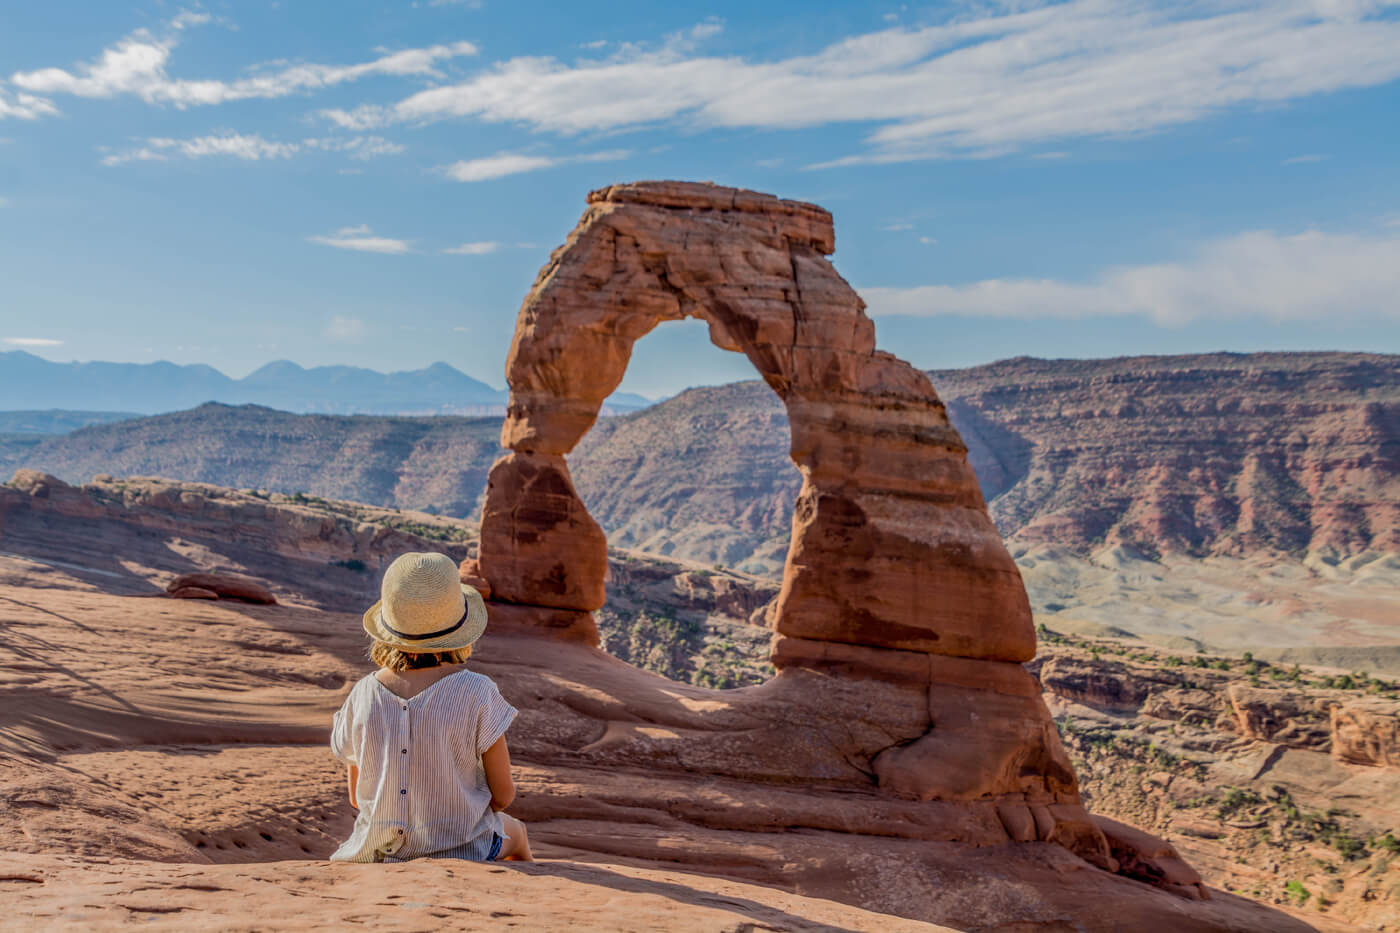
column 24, row 106
column 508, row 163
column 250, row 147
column 33, row 342
column 928, row 240
column 137, row 65
column 1306, row 276
column 346, row 329
column 4, row 201
column 896, row 227
column 362, row 239
column 1304, row 159
column 474, row 249
column 1002, row 77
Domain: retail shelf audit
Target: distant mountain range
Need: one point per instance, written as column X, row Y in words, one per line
column 1209, row 454
column 28, row 382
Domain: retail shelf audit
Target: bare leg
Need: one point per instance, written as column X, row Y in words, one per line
column 516, row 847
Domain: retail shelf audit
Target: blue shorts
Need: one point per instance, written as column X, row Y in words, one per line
column 496, row 844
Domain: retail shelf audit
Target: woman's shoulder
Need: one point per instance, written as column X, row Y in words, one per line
column 364, row 690
column 472, row 680
column 468, row 684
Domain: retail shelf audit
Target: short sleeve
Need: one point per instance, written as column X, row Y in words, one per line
column 341, row 745
column 494, row 716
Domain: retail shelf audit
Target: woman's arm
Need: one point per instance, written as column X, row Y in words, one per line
column 352, row 776
column 496, row 761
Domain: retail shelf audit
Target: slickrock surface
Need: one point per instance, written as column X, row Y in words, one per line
column 131, row 532
column 57, row 893
column 150, row 750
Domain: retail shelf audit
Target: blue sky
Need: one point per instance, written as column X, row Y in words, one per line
column 377, row 183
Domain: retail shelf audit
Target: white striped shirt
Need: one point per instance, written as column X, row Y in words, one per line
column 422, row 788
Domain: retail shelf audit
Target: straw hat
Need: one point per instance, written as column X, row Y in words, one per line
column 424, row 607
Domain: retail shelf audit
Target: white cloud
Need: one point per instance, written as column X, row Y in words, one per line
column 979, row 84
column 507, row 163
column 928, row 240
column 474, row 249
column 345, row 328
column 1306, row 276
column 136, row 65
column 24, row 106
column 362, row 239
column 896, row 227
column 33, row 342
column 250, row 148
column 357, row 147
column 4, row 201
column 1304, row 159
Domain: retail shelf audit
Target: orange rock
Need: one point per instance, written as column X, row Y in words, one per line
column 1144, row 857
column 225, row 586
column 193, row 592
column 539, row 545
column 1366, row 734
column 892, row 546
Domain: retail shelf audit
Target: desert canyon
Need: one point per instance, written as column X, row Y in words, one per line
column 937, row 714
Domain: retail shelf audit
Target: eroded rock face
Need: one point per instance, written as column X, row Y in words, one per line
column 892, row 546
column 898, row 593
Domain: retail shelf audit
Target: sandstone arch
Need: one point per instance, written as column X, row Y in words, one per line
column 892, row 545
column 902, row 619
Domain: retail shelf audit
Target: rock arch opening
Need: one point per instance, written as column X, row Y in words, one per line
column 703, row 476
column 695, row 495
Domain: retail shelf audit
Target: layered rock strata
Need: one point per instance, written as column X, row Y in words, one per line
column 899, row 603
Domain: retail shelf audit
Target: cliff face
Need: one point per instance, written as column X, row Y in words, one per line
column 1217, row 454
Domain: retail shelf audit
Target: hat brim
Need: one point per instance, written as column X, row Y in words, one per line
column 465, row 634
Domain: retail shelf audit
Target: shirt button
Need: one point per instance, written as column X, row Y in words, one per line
column 404, row 791
column 404, row 751
column 405, row 706
column 400, row 832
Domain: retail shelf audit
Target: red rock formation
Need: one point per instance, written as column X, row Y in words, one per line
column 1366, row 733
column 901, row 614
column 222, row 586
column 892, row 546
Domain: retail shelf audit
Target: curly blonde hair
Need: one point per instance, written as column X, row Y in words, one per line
column 387, row 656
